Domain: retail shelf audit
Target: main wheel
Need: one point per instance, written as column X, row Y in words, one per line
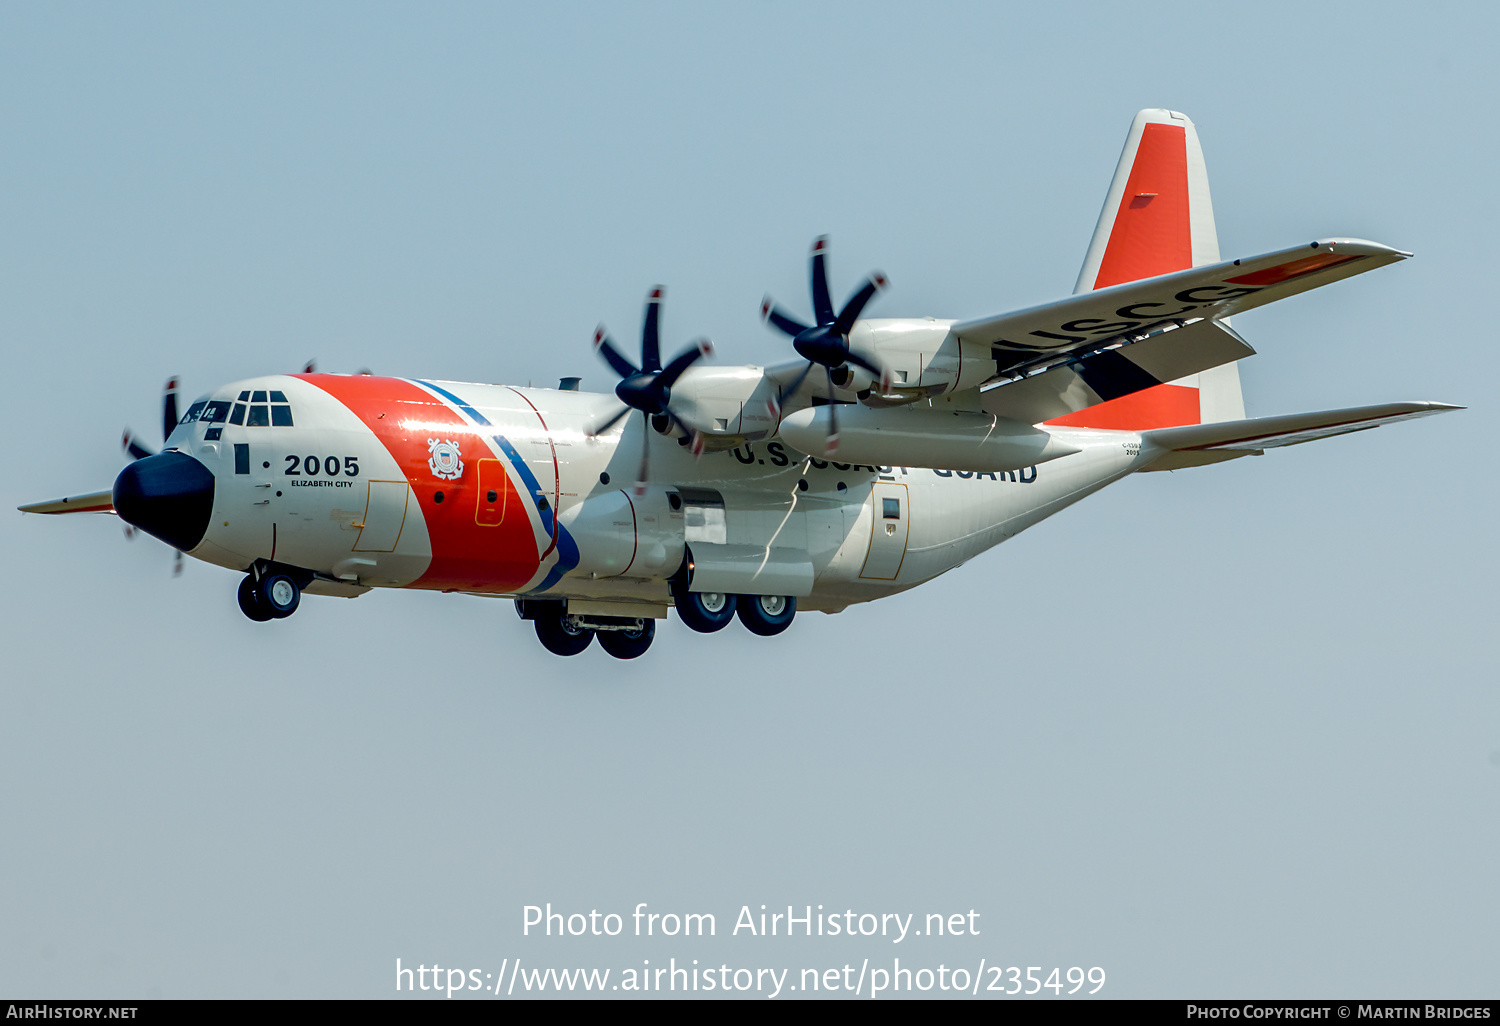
column 561, row 635
column 250, row 603
column 279, row 595
column 767, row 614
column 628, row 644
column 705, row 611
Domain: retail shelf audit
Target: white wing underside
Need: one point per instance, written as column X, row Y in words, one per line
column 1195, row 445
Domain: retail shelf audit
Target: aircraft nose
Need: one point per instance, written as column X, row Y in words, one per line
column 169, row 495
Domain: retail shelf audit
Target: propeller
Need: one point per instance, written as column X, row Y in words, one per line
column 169, row 417
column 826, row 343
column 136, row 451
column 648, row 388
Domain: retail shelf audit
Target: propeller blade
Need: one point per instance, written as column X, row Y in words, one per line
column 651, row 331
column 791, row 389
column 691, row 433
column 822, row 305
column 134, row 449
column 769, row 311
column 682, row 361
column 599, row 429
column 605, row 346
column 833, row 417
column 881, row 374
column 645, row 471
column 852, row 309
column 177, row 564
column 168, row 409
column 310, row 367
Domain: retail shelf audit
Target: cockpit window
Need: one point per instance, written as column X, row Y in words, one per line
column 253, row 409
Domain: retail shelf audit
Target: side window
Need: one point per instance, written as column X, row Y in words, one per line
column 890, row 509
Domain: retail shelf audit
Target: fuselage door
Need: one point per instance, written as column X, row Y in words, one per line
column 888, row 531
column 385, row 516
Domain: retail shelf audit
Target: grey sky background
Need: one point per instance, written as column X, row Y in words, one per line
column 1225, row 732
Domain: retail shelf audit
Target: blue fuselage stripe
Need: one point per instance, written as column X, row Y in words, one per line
column 567, row 548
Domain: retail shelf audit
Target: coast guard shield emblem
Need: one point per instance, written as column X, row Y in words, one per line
column 444, row 459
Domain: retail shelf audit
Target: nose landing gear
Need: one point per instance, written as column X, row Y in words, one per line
column 268, row 593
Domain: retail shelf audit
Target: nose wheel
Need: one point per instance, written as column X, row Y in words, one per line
column 274, row 597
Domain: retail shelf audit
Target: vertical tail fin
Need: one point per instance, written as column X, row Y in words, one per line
column 1158, row 218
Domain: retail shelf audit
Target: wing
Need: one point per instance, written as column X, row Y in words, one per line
column 1092, row 320
column 1079, row 381
column 94, row 502
column 1197, row 444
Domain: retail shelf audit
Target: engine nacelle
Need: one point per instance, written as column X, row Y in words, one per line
column 924, row 357
column 624, row 535
column 854, row 379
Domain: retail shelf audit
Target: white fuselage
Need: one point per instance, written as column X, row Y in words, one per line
column 381, row 482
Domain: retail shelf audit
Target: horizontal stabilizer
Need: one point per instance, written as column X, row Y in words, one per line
column 95, row 502
column 1197, row 444
column 1085, row 381
column 1088, row 320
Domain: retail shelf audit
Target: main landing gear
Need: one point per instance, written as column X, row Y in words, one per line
column 565, row 634
column 707, row 611
column 767, row 615
column 269, row 594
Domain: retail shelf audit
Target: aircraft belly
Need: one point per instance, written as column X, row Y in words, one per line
column 955, row 516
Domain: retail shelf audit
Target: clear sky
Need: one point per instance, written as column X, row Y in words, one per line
column 1232, row 731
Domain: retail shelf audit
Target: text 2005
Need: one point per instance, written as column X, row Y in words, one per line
column 333, row 466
